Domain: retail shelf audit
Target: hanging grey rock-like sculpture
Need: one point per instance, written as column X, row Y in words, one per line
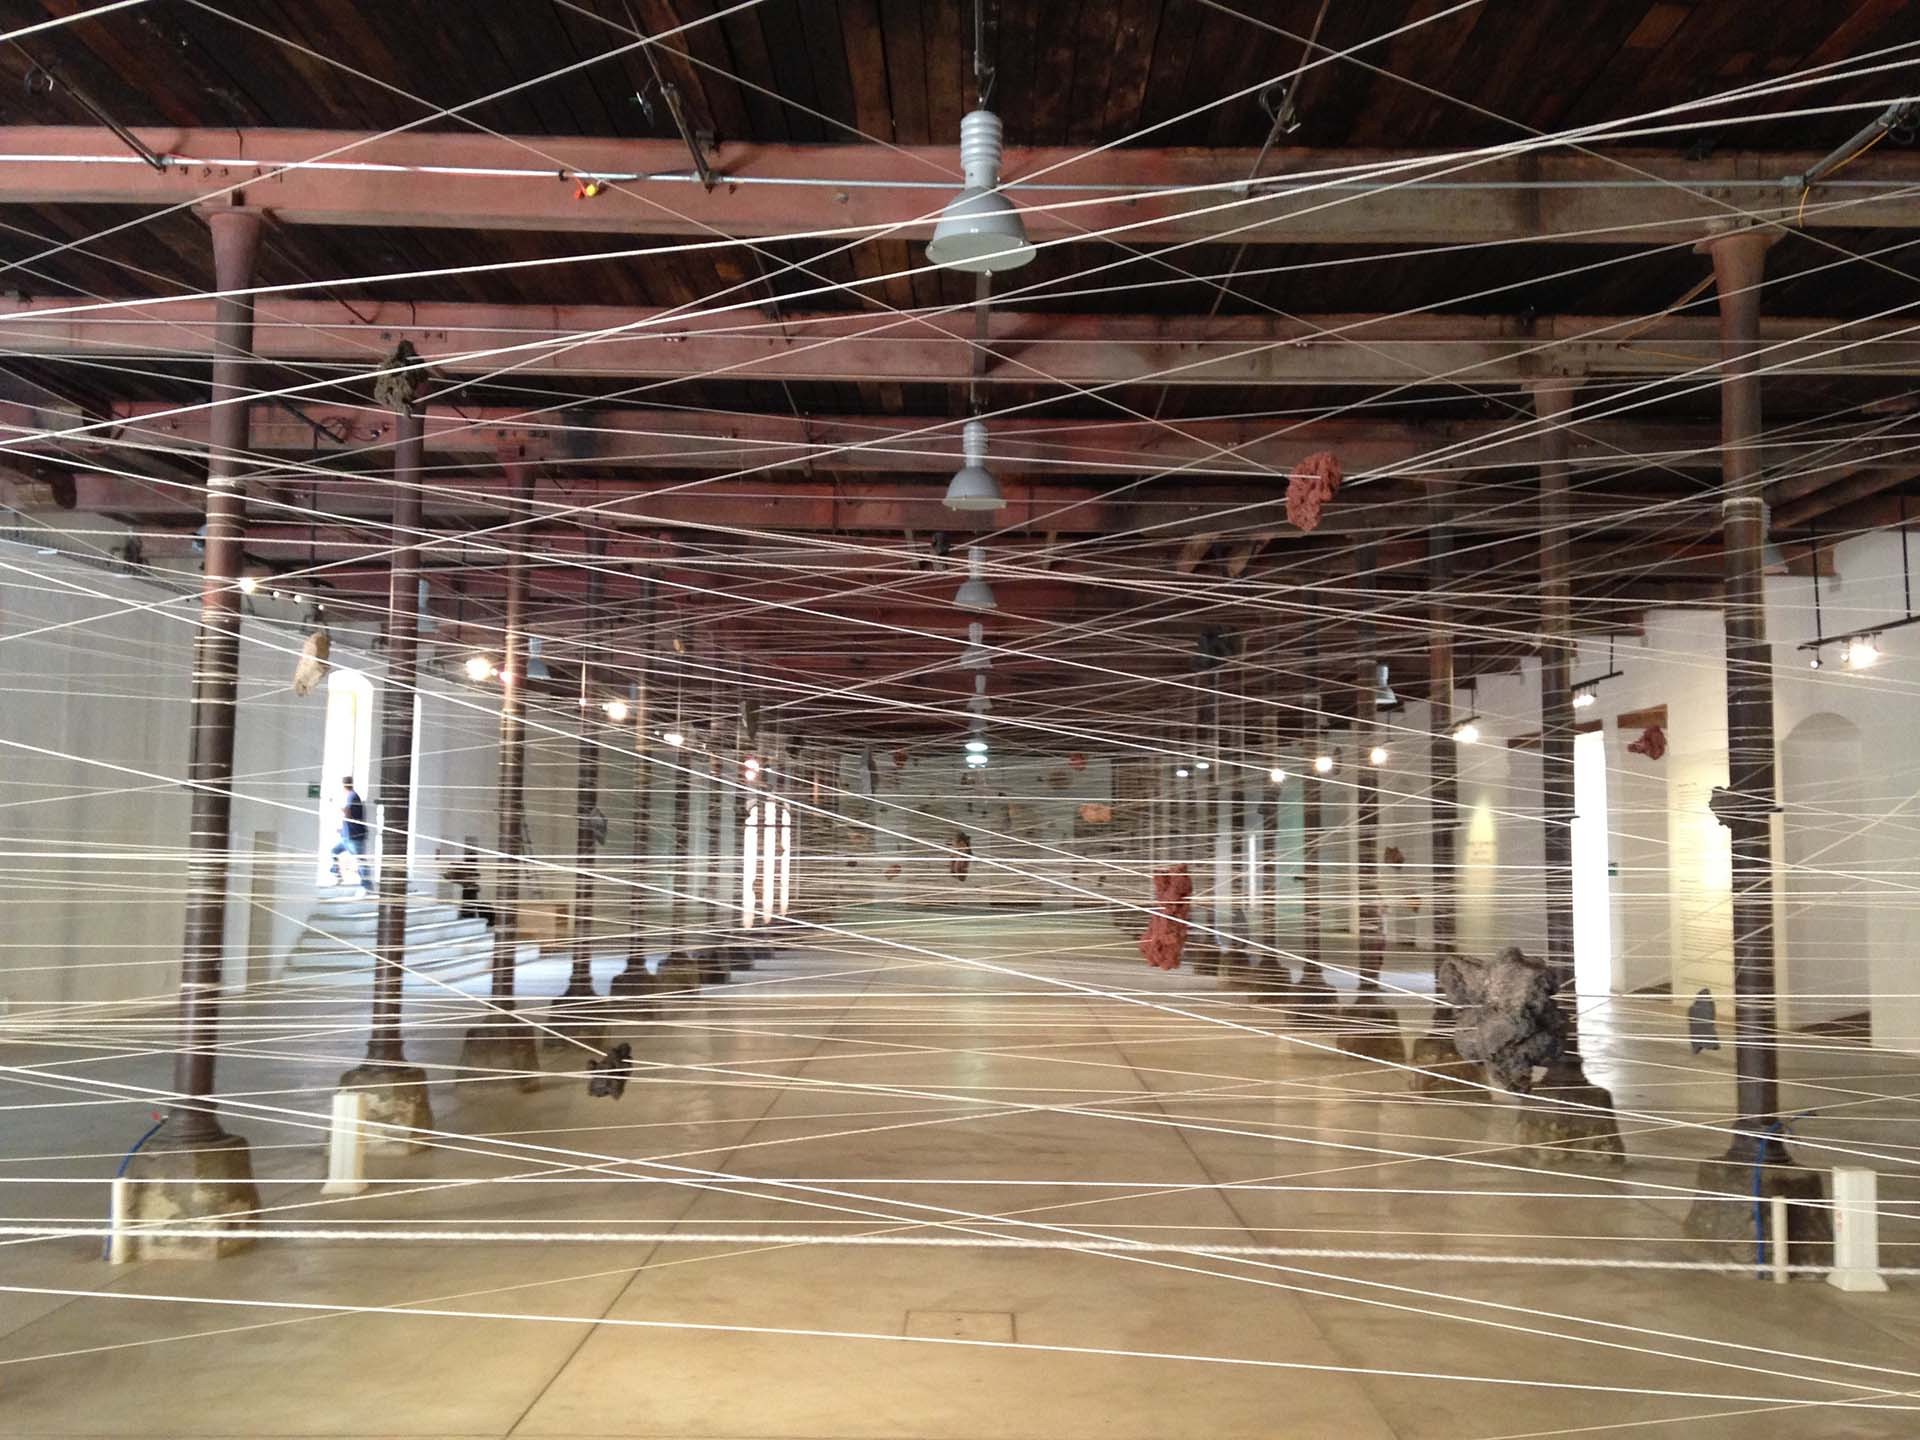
column 1507, row 1015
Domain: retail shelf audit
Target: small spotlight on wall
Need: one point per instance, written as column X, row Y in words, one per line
column 1466, row 733
column 1862, row 651
column 674, row 738
column 616, row 709
column 1323, row 764
column 479, row 667
column 1277, row 775
column 1378, row 755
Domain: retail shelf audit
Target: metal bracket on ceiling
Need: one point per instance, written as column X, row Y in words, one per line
column 671, row 94
column 44, row 80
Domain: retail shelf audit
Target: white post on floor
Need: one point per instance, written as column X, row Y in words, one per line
column 1777, row 1208
column 347, row 1145
column 1856, row 1231
column 119, row 1240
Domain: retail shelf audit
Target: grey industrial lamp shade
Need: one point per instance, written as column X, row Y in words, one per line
column 973, row 486
column 974, row 593
column 976, row 656
column 980, row 231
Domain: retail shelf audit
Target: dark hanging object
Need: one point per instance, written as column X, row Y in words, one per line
column 1213, row 648
column 399, row 382
column 1700, row 1017
column 607, row 1076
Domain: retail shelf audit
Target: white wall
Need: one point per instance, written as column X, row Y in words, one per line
column 94, row 706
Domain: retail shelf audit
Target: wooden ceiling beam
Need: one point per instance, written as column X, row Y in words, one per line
column 492, row 182
column 940, row 347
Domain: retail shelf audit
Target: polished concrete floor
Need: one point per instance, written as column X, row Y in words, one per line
column 957, row 1178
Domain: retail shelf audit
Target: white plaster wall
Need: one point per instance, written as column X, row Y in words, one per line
column 95, row 680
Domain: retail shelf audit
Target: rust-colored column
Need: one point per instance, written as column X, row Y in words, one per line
column 216, row 673
column 1553, row 400
column 586, row 789
column 1746, row 806
column 198, row 1169
column 393, row 1093
column 511, row 801
column 1570, row 1119
column 397, row 700
column 1443, row 761
column 644, row 873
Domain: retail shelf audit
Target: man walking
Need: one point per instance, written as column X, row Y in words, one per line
column 353, row 836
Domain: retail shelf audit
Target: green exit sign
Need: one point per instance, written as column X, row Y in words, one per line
column 313, row 790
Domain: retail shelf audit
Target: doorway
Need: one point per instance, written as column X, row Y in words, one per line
column 766, row 862
column 1592, row 885
column 345, row 749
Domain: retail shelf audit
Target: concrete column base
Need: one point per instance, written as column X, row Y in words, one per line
column 1448, row 1074
column 714, row 965
column 495, row 1048
column 1556, row 1137
column 396, row 1096
column 1727, row 1231
column 182, row 1182
column 1372, row 1031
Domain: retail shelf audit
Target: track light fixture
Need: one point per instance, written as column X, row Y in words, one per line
column 980, row 232
column 616, row 709
column 973, row 487
column 674, row 738
column 479, row 668
column 1584, row 697
column 1277, row 775
column 1466, row 733
column 1378, row 755
column 1862, row 651
column 1323, row 764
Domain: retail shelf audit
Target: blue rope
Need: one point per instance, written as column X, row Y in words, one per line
column 106, row 1245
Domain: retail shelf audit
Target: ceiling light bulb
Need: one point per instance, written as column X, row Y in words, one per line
column 1377, row 755
column 1277, row 775
column 975, row 593
column 980, row 231
column 973, row 486
column 1862, row 651
column 479, row 667
column 1467, row 733
column 1814, row 663
column 249, row 584
column 616, row 709
column 752, row 767
column 976, row 747
column 1201, row 765
column 974, row 762
column 674, row 738
column 1181, row 773
column 1323, row 763
column 1583, row 698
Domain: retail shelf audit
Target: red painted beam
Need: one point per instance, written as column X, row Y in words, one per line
column 483, row 182
column 938, row 347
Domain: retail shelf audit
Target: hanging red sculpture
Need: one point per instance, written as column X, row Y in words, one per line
column 1315, row 481
column 1652, row 743
column 1167, row 931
